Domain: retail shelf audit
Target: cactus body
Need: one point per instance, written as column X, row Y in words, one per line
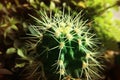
column 67, row 47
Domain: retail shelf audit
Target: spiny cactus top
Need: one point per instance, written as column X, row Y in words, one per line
column 66, row 46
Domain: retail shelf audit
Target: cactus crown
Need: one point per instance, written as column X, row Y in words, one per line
column 66, row 45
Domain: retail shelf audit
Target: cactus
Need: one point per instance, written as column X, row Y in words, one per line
column 66, row 46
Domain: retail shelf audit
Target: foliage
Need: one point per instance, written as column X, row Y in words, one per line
column 104, row 23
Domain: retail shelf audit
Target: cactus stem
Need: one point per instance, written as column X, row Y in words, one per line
column 71, row 43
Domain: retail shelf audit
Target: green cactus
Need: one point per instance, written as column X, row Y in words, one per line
column 66, row 46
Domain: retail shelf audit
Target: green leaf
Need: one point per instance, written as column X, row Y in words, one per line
column 20, row 52
column 11, row 50
column 19, row 65
column 43, row 5
column 14, row 27
column 52, row 5
column 1, row 6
